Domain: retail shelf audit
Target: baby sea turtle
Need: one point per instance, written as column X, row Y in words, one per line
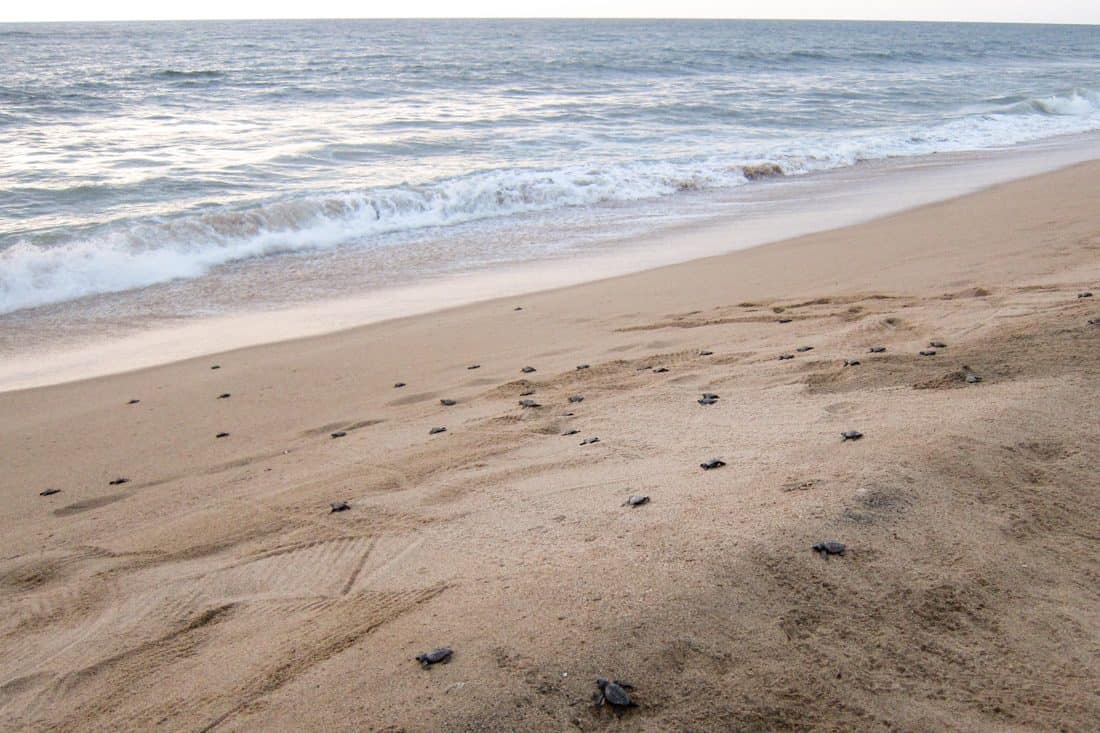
column 529, row 403
column 785, row 320
column 614, row 693
column 437, row 431
column 518, row 308
column 339, row 434
column 928, row 352
column 972, row 378
column 398, row 385
column 570, row 432
column 568, row 414
column 118, row 481
column 937, row 344
column 216, row 366
column 804, row 349
column 222, row 435
column 850, row 435
column 133, row 402
column 785, row 357
column 527, row 393
column 706, row 353
column 851, row 362
column 1094, row 321
column 582, row 366
column 448, row 403
column 704, row 400
column 339, row 506
column 877, row 349
column 435, row 656
column 576, row 398
column 636, row 500
column 224, row 396
column 527, row 369
column 49, row 492
column 660, row 370
column 474, row 366
column 590, row 441
column 709, row 396
column 829, row 547
column 1085, row 294
column 712, row 463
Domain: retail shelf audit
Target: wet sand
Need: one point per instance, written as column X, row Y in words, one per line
column 216, row 589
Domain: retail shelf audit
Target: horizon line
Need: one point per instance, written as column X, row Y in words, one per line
column 550, row 17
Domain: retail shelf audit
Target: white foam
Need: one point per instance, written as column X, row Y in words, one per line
column 136, row 254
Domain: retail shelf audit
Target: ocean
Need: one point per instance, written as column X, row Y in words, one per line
column 157, row 172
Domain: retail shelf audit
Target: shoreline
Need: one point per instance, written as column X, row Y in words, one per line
column 866, row 194
column 189, row 572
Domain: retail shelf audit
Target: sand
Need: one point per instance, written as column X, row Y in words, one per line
column 215, row 590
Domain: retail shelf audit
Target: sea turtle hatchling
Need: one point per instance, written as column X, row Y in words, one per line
column 928, row 352
column 660, row 370
column 636, row 500
column 51, row 492
column 829, row 547
column 1085, row 294
column 785, row 320
column 590, row 441
column 222, row 435
column 133, row 402
column 712, row 464
column 448, row 403
column 529, row 403
column 877, row 349
column 339, row 506
column 804, row 349
column 224, row 396
column 398, row 385
column 850, row 435
column 613, row 693
column 437, row 431
column 706, row 353
column 785, row 357
column 570, row 432
column 118, row 481
column 576, row 398
column 339, row 434
column 435, row 656
column 474, row 366
column 937, row 344
column 528, row 369
column 582, row 366
column 851, row 362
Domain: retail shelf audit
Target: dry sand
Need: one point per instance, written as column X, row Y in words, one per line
column 215, row 591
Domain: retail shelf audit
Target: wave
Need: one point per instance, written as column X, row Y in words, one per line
column 134, row 253
column 195, row 74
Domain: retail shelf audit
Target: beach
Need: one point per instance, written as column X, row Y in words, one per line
column 215, row 589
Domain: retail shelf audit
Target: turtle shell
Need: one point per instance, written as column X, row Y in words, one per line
column 830, row 547
column 614, row 694
column 442, row 654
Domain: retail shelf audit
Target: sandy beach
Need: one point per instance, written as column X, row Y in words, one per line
column 215, row 590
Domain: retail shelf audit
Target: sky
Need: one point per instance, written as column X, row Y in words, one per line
column 1028, row 11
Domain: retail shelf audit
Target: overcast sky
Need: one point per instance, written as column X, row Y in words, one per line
column 1052, row 11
